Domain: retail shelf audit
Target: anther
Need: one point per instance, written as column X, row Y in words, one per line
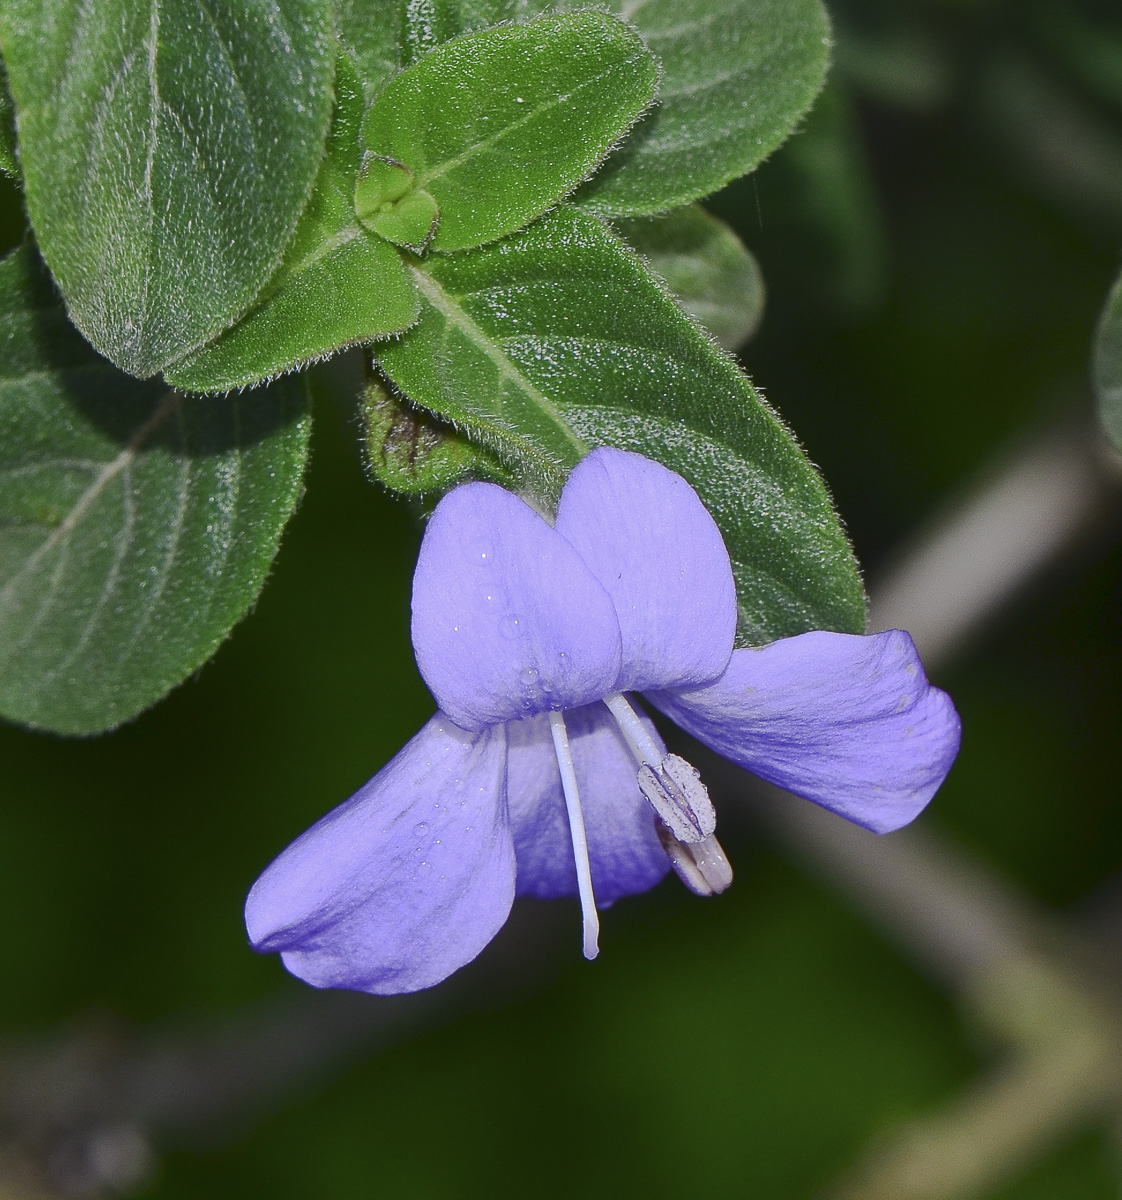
column 675, row 791
column 685, row 818
column 701, row 866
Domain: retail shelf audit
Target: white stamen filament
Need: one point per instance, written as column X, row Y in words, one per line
column 638, row 739
column 576, row 829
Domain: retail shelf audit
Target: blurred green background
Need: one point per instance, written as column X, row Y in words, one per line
column 937, row 243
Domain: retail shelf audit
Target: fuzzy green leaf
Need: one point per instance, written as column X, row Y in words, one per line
column 1108, row 365
column 382, row 36
column 498, row 126
column 559, row 339
column 706, row 266
column 338, row 285
column 371, row 32
column 424, row 25
column 737, row 76
column 136, row 525
column 168, row 149
column 9, row 163
column 410, row 222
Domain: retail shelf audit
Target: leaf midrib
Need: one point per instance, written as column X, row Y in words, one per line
column 455, row 314
column 86, row 500
column 481, row 147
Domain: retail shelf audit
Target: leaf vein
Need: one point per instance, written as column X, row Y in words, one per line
column 154, row 597
column 123, row 540
column 233, row 75
column 423, row 180
column 87, row 499
column 458, row 318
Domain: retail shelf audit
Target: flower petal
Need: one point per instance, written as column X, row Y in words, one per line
column 507, row 620
column 647, row 537
column 849, row 722
column 406, row 881
column 623, row 848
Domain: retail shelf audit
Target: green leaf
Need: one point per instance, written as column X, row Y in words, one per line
column 382, row 36
column 498, row 126
column 136, row 525
column 168, row 149
column 338, row 285
column 371, row 33
column 559, row 339
column 737, row 76
column 425, row 24
column 414, row 453
column 1108, row 365
column 410, row 221
column 706, row 266
column 9, row 163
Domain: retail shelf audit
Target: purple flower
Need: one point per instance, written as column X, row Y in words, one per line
column 539, row 776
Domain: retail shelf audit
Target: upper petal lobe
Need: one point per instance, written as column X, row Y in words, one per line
column 849, row 722
column 406, row 881
column 507, row 619
column 647, row 537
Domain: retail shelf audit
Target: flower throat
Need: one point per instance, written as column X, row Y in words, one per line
column 685, row 819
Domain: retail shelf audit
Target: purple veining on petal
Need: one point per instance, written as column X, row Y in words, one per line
column 624, row 850
column 849, row 722
column 644, row 533
column 507, row 619
column 403, row 883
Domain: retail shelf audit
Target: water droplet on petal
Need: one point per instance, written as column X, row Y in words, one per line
column 509, row 625
column 420, row 828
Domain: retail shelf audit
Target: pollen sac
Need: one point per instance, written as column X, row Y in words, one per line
column 702, row 866
column 675, row 791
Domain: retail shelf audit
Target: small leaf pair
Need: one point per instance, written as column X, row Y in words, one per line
column 473, row 142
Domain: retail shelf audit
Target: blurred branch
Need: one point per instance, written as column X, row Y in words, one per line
column 78, row 1112
column 1023, row 977
column 1064, row 1072
column 1036, row 507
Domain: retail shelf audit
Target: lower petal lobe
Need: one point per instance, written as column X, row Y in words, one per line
column 623, row 848
column 406, row 881
column 849, row 722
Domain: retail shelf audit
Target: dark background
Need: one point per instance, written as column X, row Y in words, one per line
column 937, row 243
